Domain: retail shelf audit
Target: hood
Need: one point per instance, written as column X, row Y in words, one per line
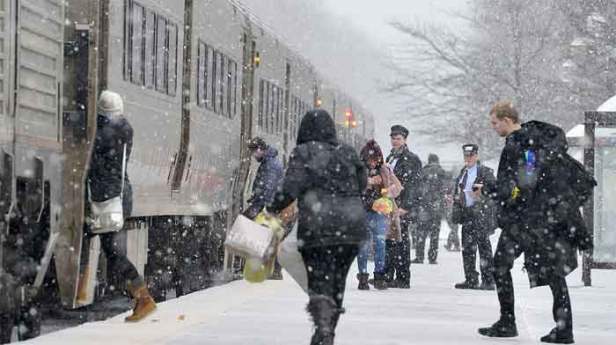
column 317, row 125
column 542, row 137
column 271, row 152
column 371, row 150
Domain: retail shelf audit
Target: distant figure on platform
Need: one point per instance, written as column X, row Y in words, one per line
column 269, row 176
column 433, row 189
column 376, row 223
column 407, row 168
column 478, row 218
column 327, row 178
column 112, row 148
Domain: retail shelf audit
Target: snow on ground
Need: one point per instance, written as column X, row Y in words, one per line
column 431, row 312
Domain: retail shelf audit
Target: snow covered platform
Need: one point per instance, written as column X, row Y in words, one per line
column 431, row 312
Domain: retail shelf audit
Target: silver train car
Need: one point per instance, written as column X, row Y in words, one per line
column 199, row 78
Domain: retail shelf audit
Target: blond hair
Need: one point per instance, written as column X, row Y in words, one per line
column 504, row 109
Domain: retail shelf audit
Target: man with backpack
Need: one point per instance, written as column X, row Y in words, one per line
column 433, row 188
column 540, row 189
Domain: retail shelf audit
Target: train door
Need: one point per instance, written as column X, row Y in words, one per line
column 249, row 51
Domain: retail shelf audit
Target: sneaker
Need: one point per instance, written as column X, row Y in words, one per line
column 466, row 285
column 433, row 262
column 417, row 261
column 558, row 337
column 500, row 329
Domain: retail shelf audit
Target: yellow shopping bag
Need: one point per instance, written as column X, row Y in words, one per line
column 256, row 270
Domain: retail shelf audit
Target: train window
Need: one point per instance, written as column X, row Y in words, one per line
column 234, row 89
column 275, row 112
column 261, row 94
column 267, row 106
column 215, row 81
column 274, row 107
column 209, row 78
column 137, row 34
column 127, row 39
column 282, row 110
column 222, row 100
column 230, row 88
column 172, row 53
column 161, row 54
column 150, row 48
column 200, row 72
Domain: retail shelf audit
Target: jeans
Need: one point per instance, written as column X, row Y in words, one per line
column 377, row 229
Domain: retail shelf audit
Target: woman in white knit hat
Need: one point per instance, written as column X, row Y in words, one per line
column 105, row 181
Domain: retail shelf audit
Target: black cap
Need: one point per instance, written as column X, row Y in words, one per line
column 257, row 143
column 470, row 149
column 397, row 129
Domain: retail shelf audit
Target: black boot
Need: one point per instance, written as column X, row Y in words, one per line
column 325, row 315
column 379, row 281
column 363, row 281
column 467, row 285
column 503, row 328
column 559, row 336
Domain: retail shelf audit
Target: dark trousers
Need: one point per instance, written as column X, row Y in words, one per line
column 507, row 250
column 430, row 227
column 398, row 257
column 453, row 240
column 474, row 238
column 327, row 269
column 112, row 244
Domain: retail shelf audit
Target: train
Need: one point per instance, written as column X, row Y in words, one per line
column 198, row 79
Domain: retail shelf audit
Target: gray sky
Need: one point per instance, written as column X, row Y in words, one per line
column 371, row 17
column 352, row 46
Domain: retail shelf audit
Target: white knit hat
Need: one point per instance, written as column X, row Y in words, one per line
column 110, row 104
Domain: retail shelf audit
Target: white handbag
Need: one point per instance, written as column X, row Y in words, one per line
column 249, row 239
column 108, row 216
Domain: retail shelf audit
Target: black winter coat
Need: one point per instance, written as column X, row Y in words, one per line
column 408, row 171
column 544, row 219
column 328, row 178
column 105, row 173
column 433, row 188
column 484, row 211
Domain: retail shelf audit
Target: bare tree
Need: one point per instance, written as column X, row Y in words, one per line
column 510, row 49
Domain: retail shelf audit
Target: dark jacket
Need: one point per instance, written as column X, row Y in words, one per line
column 328, row 178
column 433, row 187
column 408, row 171
column 105, row 173
column 483, row 213
column 544, row 218
column 268, row 177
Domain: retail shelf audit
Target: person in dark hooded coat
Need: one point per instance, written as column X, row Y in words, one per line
column 539, row 217
column 433, row 188
column 327, row 178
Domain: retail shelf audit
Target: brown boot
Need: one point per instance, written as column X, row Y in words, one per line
column 144, row 303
